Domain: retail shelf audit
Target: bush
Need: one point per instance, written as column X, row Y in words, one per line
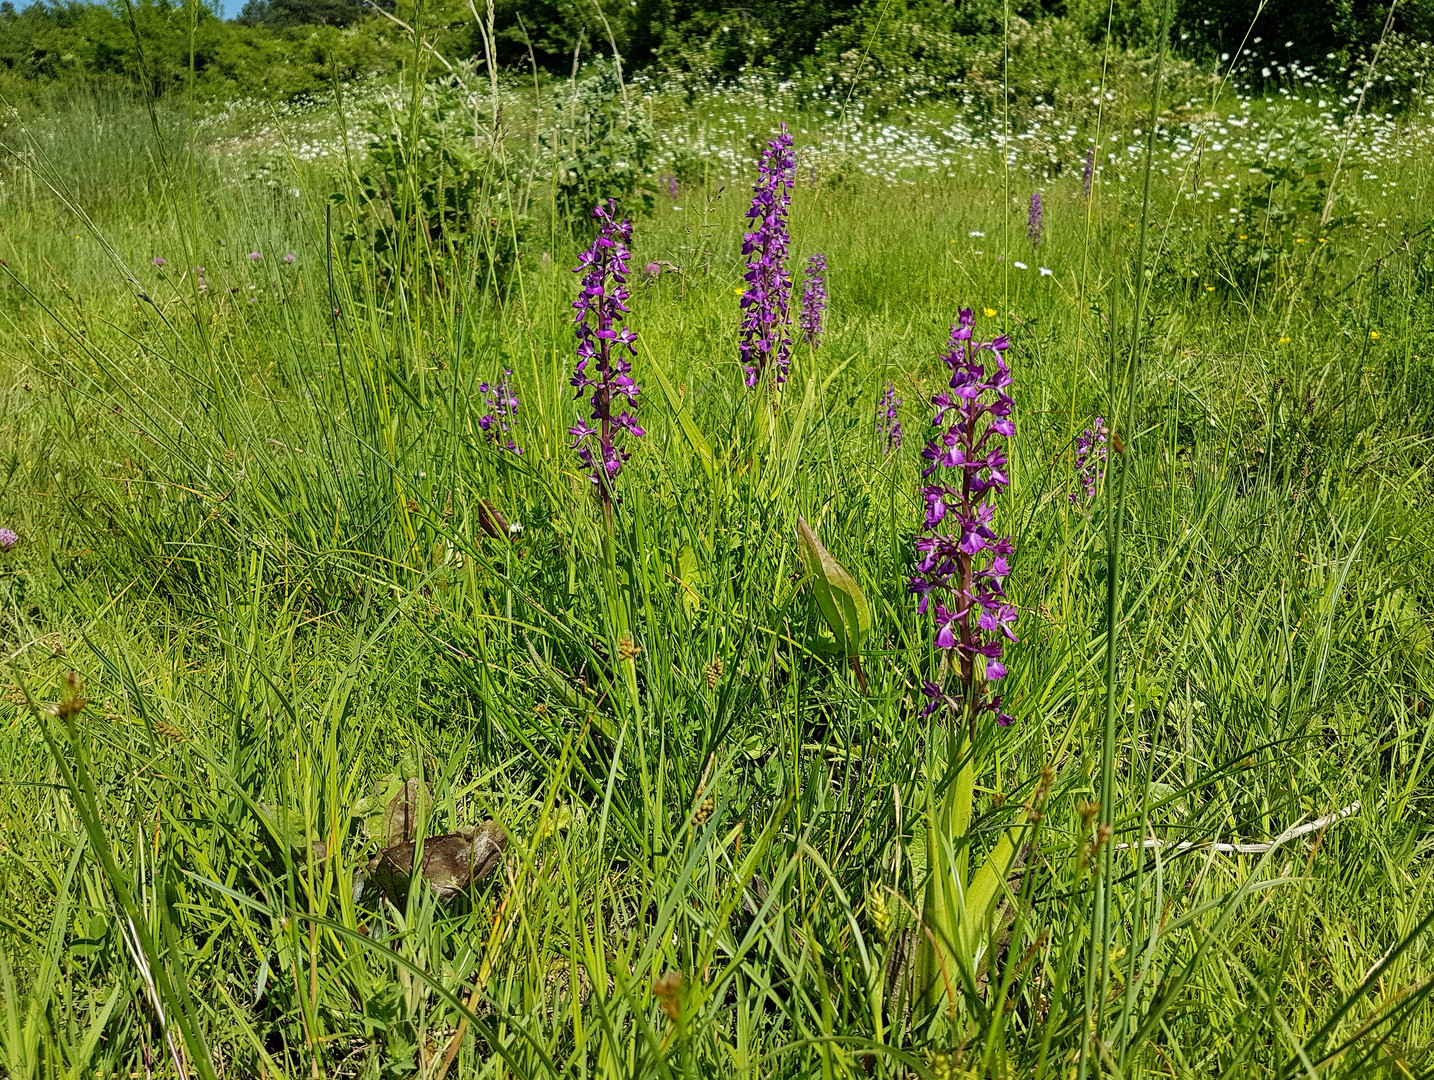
column 429, row 190
column 926, row 49
column 601, row 148
column 75, row 42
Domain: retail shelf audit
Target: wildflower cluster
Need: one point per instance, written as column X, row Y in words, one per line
column 1090, row 456
column 766, row 301
column 601, row 307
column 814, row 299
column 964, row 569
column 888, row 422
column 502, row 416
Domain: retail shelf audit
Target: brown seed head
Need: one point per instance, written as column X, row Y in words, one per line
column 668, row 990
column 1087, row 809
column 76, row 702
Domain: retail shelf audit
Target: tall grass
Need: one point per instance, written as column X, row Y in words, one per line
column 257, row 531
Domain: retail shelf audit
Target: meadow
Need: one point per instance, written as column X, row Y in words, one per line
column 286, row 614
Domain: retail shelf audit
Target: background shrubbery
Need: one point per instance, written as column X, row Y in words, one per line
column 896, row 50
column 150, row 46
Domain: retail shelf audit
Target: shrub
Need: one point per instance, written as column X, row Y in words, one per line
column 601, row 148
column 429, row 188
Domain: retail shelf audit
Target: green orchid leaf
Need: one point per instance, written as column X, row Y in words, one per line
column 842, row 603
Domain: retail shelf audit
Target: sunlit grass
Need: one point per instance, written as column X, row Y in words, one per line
column 251, row 518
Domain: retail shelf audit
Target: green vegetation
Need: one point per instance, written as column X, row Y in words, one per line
column 283, row 621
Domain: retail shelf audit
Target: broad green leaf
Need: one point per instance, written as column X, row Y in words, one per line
column 843, row 605
column 695, row 439
column 831, row 375
column 795, row 434
column 989, row 880
column 689, row 577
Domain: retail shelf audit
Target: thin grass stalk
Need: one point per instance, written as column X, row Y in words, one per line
column 1102, row 929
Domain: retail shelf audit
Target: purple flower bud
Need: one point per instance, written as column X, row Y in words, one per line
column 158, row 260
column 290, row 257
column 1034, row 218
column 766, row 303
column 601, row 306
column 653, row 269
column 8, row 539
column 254, row 256
column 962, row 563
column 814, row 300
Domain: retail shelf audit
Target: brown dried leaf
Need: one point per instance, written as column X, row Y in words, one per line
column 452, row 863
column 400, row 817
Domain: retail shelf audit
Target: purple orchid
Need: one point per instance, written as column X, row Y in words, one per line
column 767, row 299
column 888, row 422
column 961, row 571
column 502, row 416
column 1089, row 172
column 1090, row 456
column 814, row 300
column 601, row 307
column 1035, row 217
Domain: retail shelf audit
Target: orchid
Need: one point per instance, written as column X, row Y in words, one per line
column 603, row 349
column 962, row 562
column 498, row 423
column 767, row 298
column 888, row 423
column 814, row 299
column 1090, row 456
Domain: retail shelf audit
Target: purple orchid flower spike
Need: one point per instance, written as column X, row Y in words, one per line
column 962, row 564
column 814, row 300
column 1090, row 456
column 604, row 347
column 501, row 418
column 766, row 302
column 888, row 422
column 1035, row 218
